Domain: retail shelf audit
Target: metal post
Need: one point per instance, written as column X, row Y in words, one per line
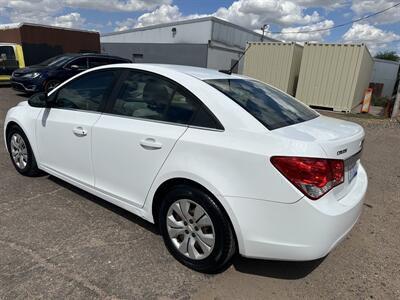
column 396, row 105
column 264, row 28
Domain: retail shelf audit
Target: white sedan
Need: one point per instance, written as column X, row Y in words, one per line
column 223, row 164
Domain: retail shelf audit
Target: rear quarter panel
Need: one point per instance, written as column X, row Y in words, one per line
column 235, row 163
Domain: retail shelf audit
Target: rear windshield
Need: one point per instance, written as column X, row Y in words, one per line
column 270, row 106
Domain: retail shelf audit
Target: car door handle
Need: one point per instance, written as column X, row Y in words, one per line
column 150, row 144
column 79, row 131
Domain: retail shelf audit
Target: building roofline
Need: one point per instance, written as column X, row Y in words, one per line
column 387, row 61
column 21, row 24
column 190, row 21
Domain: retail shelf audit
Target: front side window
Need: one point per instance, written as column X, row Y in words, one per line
column 7, row 53
column 79, row 64
column 147, row 96
column 270, row 106
column 86, row 92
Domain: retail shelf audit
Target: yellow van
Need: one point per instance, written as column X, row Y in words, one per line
column 11, row 58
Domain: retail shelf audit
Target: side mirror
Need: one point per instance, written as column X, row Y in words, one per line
column 38, row 100
column 41, row 100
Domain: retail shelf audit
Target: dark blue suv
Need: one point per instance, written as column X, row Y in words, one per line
column 50, row 73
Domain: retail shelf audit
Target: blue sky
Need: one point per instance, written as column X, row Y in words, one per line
column 289, row 16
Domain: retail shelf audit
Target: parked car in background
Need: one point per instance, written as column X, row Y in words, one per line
column 223, row 164
column 47, row 75
column 11, row 58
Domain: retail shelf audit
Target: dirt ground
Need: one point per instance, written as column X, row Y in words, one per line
column 57, row 242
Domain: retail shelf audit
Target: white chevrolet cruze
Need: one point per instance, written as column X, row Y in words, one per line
column 223, row 164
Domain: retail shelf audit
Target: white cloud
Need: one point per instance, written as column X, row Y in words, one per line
column 375, row 38
column 366, row 7
column 117, row 5
column 254, row 13
column 328, row 4
column 72, row 20
column 125, row 24
column 163, row 14
column 294, row 33
column 35, row 11
column 251, row 14
column 48, row 11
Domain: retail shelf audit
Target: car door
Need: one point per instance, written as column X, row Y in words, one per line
column 64, row 131
column 132, row 141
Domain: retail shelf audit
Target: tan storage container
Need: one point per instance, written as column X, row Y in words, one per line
column 334, row 76
column 275, row 63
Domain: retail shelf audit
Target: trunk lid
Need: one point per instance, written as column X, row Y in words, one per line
column 339, row 140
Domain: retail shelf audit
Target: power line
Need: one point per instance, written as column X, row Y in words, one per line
column 339, row 25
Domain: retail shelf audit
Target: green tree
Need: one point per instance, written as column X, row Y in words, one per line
column 388, row 55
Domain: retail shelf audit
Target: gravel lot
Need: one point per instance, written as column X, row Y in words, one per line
column 58, row 242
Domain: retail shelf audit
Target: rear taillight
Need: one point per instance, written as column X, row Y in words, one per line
column 313, row 176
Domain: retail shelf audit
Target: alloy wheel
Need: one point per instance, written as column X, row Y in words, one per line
column 52, row 85
column 19, row 151
column 190, row 229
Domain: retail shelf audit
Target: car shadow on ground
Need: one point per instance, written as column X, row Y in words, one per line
column 103, row 203
column 290, row 270
column 265, row 268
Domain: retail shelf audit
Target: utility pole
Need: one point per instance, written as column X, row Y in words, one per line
column 396, row 105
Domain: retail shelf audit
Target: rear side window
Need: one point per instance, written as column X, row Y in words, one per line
column 204, row 118
column 101, row 61
column 147, row 96
column 86, row 92
column 270, row 106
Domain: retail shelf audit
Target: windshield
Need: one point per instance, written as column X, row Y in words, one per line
column 270, row 106
column 55, row 61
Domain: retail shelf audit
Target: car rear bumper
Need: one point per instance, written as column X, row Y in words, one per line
column 304, row 230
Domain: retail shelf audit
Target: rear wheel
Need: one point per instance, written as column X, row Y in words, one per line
column 195, row 230
column 21, row 152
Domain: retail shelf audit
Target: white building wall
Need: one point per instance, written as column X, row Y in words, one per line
column 190, row 33
column 385, row 72
column 225, row 41
column 220, row 59
column 232, row 35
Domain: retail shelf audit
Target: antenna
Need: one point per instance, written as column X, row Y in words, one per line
column 229, row 72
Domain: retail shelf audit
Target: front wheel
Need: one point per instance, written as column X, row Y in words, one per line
column 21, row 152
column 195, row 230
column 50, row 85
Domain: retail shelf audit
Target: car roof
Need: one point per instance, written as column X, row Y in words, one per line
column 200, row 73
column 73, row 55
column 197, row 72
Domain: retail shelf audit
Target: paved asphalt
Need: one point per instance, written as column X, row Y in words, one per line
column 57, row 242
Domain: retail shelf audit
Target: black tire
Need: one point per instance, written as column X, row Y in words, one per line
column 50, row 85
column 30, row 169
column 224, row 246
